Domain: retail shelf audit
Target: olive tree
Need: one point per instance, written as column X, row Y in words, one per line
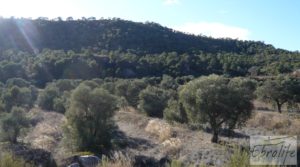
column 275, row 91
column 130, row 89
column 213, row 100
column 174, row 112
column 47, row 97
column 18, row 96
column 153, row 101
column 12, row 124
column 89, row 118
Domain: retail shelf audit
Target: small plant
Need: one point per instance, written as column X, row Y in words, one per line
column 12, row 124
column 239, row 158
column 160, row 129
column 120, row 162
column 9, row 160
column 176, row 163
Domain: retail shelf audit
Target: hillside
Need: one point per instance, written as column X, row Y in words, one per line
column 115, row 34
column 139, row 141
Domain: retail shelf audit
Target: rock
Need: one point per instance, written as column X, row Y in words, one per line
column 74, row 165
column 144, row 161
column 88, row 160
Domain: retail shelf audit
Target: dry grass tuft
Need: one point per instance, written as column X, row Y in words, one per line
column 118, row 160
column 279, row 123
column 159, row 128
column 47, row 132
column 172, row 142
column 172, row 146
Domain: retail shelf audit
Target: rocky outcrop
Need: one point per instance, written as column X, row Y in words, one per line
column 83, row 161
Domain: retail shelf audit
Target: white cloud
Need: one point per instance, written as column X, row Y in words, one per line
column 215, row 29
column 171, row 2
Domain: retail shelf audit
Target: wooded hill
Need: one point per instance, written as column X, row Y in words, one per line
column 115, row 34
column 43, row 50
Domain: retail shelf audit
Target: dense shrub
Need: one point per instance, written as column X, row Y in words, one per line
column 153, row 101
column 130, row 90
column 18, row 96
column 89, row 118
column 9, row 160
column 12, row 124
column 47, row 97
column 175, row 112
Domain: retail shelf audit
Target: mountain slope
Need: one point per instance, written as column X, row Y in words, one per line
column 115, row 34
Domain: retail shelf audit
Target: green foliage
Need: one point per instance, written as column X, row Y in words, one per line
column 239, row 158
column 9, row 160
column 89, row 117
column 153, row 101
column 176, row 163
column 175, row 112
column 47, row 97
column 119, row 48
column 12, row 124
column 18, row 96
column 278, row 91
column 56, row 95
column 130, row 89
column 60, row 104
column 117, row 34
column 17, row 82
column 168, row 82
column 211, row 99
column 10, row 69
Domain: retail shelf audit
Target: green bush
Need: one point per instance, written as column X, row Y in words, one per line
column 47, row 96
column 174, row 112
column 153, row 101
column 130, row 89
column 9, row 160
column 18, row 96
column 239, row 158
column 12, row 124
column 89, row 118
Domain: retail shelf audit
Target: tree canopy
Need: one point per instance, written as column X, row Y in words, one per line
column 212, row 99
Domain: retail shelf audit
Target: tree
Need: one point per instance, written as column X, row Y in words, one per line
column 153, row 101
column 168, row 82
column 175, row 112
column 211, row 99
column 247, row 88
column 18, row 96
column 89, row 118
column 12, row 124
column 130, row 90
column 47, row 97
column 275, row 91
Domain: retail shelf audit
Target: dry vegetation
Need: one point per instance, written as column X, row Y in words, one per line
column 159, row 128
column 157, row 138
column 282, row 124
column 47, row 132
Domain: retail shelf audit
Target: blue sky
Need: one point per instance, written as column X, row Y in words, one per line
column 275, row 22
